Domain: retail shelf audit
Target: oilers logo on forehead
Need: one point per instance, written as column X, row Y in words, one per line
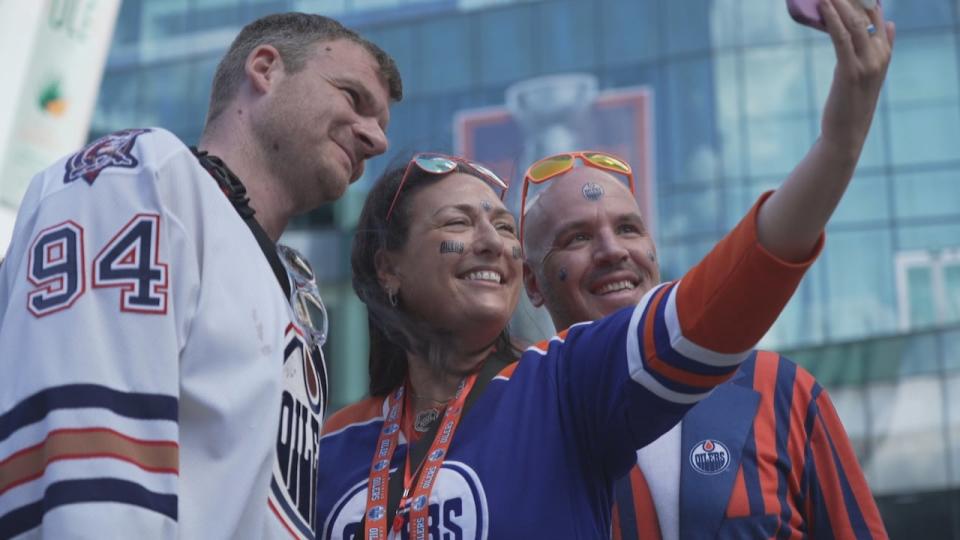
column 457, row 508
column 710, row 457
column 113, row 150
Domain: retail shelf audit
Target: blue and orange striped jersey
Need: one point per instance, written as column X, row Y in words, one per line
column 538, row 453
column 787, row 470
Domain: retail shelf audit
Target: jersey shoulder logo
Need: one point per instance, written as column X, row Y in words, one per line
column 113, row 150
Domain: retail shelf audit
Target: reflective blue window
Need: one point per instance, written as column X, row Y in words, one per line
column 928, row 194
column 507, row 50
column 860, row 295
column 692, row 130
column 867, row 200
column 629, row 31
column 446, row 45
column 565, row 35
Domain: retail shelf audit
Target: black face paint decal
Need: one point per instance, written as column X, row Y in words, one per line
column 451, row 246
column 592, row 192
column 652, row 256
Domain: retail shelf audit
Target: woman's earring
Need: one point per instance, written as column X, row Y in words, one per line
column 392, row 296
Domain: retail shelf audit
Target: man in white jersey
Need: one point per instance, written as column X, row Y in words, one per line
column 162, row 376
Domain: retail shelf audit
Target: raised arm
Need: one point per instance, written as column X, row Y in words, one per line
column 791, row 221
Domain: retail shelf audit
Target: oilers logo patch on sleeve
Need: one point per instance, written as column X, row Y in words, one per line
column 113, row 150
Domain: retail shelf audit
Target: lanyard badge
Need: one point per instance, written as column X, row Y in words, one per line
column 417, row 502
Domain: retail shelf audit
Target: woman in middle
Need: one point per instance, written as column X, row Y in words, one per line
column 460, row 441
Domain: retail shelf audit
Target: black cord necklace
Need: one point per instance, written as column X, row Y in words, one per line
column 236, row 193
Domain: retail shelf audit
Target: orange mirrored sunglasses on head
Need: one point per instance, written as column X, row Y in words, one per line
column 555, row 165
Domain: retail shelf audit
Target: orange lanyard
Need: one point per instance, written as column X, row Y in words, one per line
column 417, row 503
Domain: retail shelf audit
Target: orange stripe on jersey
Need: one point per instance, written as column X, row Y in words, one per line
column 30, row 463
column 648, row 524
column 848, row 460
column 615, row 525
column 765, row 431
column 739, row 505
column 797, row 440
column 654, row 363
column 507, row 372
column 729, row 299
column 360, row 411
column 829, row 480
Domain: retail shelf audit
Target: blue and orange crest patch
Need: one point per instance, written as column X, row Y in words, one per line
column 710, row 457
column 113, row 150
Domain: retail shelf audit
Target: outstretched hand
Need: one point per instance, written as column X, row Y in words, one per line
column 792, row 219
column 863, row 42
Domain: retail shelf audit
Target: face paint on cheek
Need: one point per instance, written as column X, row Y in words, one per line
column 517, row 252
column 562, row 275
column 652, row 256
column 451, row 246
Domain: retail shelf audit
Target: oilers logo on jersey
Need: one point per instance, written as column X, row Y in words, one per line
column 293, row 489
column 457, row 508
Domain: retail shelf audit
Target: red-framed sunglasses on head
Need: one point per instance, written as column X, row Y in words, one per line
column 442, row 164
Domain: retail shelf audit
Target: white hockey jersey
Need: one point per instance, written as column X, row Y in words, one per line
column 153, row 383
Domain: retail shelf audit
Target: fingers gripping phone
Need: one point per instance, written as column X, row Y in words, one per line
column 807, row 12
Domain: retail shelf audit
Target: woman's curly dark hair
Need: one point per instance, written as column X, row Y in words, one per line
column 393, row 332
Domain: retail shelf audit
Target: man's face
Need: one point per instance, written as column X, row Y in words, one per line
column 320, row 124
column 587, row 250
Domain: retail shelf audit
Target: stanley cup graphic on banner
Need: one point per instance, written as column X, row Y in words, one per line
column 552, row 114
column 56, row 50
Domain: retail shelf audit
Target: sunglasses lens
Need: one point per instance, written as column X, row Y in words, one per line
column 550, row 167
column 436, row 164
column 607, row 161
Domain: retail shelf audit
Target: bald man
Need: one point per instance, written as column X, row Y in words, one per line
column 765, row 454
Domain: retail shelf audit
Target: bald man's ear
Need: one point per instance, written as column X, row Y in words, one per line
column 262, row 67
column 532, row 286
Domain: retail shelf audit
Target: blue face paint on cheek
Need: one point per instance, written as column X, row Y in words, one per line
column 451, row 246
column 562, row 275
column 517, row 252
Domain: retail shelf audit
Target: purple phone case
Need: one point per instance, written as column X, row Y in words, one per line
column 806, row 12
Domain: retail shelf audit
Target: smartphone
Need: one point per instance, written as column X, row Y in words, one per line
column 807, row 12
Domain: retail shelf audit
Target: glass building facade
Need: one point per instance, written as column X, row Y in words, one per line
column 737, row 91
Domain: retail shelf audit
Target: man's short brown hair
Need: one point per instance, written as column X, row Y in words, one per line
column 293, row 35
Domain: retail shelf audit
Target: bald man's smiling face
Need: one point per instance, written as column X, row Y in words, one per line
column 586, row 247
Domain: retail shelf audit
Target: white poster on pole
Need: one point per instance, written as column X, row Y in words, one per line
column 60, row 48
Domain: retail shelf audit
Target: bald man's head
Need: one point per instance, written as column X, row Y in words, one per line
column 586, row 247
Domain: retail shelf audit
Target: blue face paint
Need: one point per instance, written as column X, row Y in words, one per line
column 563, row 274
column 517, row 253
column 451, row 246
